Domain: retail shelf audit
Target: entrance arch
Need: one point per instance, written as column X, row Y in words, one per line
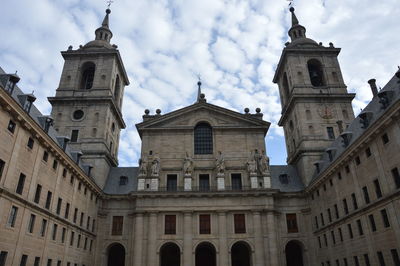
column 116, row 255
column 241, row 254
column 294, row 253
column 205, row 254
column 170, row 255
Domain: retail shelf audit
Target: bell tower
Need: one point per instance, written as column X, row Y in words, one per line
column 88, row 101
column 315, row 103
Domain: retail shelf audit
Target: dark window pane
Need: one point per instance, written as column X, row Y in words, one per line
column 291, row 222
column 385, row 218
column 172, row 182
column 117, row 225
column 395, row 174
column 21, row 182
column 205, row 224
column 203, row 139
column 204, row 183
column 372, row 222
column 236, row 181
column 170, row 224
column 240, row 223
column 378, row 190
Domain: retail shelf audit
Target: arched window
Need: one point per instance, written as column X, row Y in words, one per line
column 316, row 74
column 116, row 88
column 203, row 139
column 88, row 70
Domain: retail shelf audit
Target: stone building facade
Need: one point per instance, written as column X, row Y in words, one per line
column 204, row 192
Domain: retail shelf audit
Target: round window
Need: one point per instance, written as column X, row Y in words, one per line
column 78, row 114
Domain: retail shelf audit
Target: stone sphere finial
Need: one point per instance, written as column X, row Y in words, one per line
column 291, row 9
column 246, row 110
column 158, row 111
column 147, row 111
column 70, row 47
column 108, row 11
column 258, row 110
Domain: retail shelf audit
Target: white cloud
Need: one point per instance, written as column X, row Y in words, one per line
column 234, row 45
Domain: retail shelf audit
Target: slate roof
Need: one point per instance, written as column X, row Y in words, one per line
column 113, row 185
column 294, row 183
column 374, row 111
column 39, row 118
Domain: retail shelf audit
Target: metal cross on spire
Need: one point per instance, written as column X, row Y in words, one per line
column 109, row 2
column 199, row 87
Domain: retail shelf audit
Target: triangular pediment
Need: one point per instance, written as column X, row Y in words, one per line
column 216, row 116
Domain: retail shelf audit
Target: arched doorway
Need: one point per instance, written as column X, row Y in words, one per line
column 170, row 255
column 294, row 253
column 116, row 255
column 205, row 255
column 240, row 254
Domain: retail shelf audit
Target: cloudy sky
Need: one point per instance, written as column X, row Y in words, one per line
column 234, row 44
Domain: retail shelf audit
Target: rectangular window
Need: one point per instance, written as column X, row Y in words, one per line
column 2, row 164
column 366, row 259
column 74, row 135
column 345, row 262
column 385, row 138
column 85, row 244
column 59, row 202
column 368, row 152
column 333, row 237
column 3, row 258
column 13, row 216
column 316, row 221
column 55, row 164
column 30, row 143
column 71, row 180
column 395, row 257
column 322, row 219
column 78, row 245
column 75, row 214
column 319, row 242
column 339, row 176
column 372, row 222
column 170, row 225
column 43, row 228
column 37, row 193
column 48, row 199
column 357, row 160
column 85, row 191
column 395, row 174
column 329, row 215
column 381, row 259
column 64, row 230
column 204, row 182
column 204, row 224
column 337, row 263
column 81, row 220
column 45, row 156
column 64, row 174
column 336, row 211
column 71, row 241
column 93, row 224
column 331, row 133
column 21, row 183
column 31, row 223
column 291, row 221
column 11, row 126
column 378, row 190
column 117, row 225
column 340, row 234
column 66, row 215
column 240, row 223
column 236, row 181
column 356, row 262
column 359, row 226
column 37, row 261
column 347, row 169
column 49, row 262
column 345, row 207
column 354, row 199
column 350, row 231
column 172, row 182
column 88, row 223
column 325, row 240
column 24, row 259
column 54, row 233
column 385, row 218
column 366, row 195
column 90, row 245
column 59, row 263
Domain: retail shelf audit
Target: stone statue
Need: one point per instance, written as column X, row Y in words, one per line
column 142, row 167
column 188, row 165
column 252, row 164
column 263, row 163
column 220, row 163
column 155, row 166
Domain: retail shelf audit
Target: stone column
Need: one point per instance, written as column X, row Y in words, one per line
column 187, row 238
column 258, row 240
column 272, row 240
column 138, row 247
column 151, row 240
column 223, row 247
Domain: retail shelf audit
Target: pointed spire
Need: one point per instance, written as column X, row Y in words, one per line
column 198, row 90
column 105, row 20
column 295, row 21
